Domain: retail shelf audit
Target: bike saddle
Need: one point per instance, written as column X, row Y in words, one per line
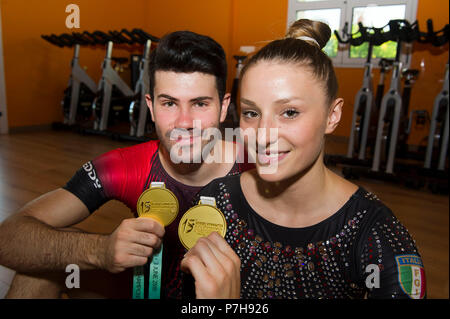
column 410, row 73
column 119, row 60
column 386, row 63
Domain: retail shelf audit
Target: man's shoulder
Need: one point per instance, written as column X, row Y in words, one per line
column 121, row 157
column 146, row 148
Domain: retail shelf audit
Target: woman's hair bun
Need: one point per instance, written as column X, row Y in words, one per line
column 315, row 32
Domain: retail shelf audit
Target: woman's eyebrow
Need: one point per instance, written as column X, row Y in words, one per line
column 279, row 101
column 287, row 100
column 248, row 102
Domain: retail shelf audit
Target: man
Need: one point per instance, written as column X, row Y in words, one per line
column 187, row 88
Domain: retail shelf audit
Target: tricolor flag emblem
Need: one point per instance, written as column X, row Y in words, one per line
column 411, row 275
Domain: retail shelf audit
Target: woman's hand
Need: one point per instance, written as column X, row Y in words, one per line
column 215, row 267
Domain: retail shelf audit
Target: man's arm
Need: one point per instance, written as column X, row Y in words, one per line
column 32, row 239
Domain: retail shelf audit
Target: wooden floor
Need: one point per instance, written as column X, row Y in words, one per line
column 37, row 162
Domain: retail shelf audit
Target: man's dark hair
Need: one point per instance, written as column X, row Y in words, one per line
column 188, row 52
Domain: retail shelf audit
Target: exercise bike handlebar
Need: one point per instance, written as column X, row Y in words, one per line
column 100, row 37
column 437, row 38
column 95, row 39
column 82, row 39
column 351, row 39
column 53, row 39
column 385, row 63
column 125, row 33
column 67, row 39
column 119, row 38
column 402, row 31
column 91, row 37
column 372, row 35
column 144, row 35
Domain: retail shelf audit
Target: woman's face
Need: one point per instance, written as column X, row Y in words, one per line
column 286, row 97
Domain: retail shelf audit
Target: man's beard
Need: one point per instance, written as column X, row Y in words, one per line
column 191, row 152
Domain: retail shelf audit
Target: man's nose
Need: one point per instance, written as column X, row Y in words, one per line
column 184, row 119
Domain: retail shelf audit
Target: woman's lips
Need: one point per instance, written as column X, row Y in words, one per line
column 269, row 158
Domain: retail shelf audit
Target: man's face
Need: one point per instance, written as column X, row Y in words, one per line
column 179, row 100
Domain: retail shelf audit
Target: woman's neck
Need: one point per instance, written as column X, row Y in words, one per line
column 300, row 201
column 302, row 191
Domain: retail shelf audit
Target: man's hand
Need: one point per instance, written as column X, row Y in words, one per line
column 132, row 243
column 215, row 268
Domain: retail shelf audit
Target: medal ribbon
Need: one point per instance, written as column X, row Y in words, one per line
column 154, row 284
column 154, row 281
column 138, row 282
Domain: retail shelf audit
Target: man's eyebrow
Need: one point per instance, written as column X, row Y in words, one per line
column 196, row 99
column 201, row 98
column 165, row 96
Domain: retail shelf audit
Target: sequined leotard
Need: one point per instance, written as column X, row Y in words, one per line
column 360, row 249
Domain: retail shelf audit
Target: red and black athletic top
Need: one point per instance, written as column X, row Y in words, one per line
column 123, row 174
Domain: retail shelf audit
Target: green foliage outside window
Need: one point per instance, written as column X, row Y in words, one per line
column 387, row 50
column 331, row 47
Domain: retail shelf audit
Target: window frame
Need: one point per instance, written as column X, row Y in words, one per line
column 342, row 58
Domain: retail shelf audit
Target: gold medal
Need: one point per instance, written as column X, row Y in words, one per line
column 159, row 203
column 200, row 221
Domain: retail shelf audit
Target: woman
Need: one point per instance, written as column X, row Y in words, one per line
column 300, row 231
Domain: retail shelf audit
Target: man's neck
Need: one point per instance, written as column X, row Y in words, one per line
column 197, row 174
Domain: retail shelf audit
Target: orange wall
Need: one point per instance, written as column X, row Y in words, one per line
column 211, row 18
column 35, row 80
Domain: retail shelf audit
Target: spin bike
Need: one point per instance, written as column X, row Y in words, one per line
column 385, row 65
column 80, row 91
column 364, row 107
column 391, row 104
column 436, row 157
column 389, row 117
column 79, row 94
column 113, row 94
column 139, row 117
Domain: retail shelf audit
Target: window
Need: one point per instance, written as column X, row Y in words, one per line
column 341, row 13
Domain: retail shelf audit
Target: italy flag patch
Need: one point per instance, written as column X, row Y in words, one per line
column 411, row 275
